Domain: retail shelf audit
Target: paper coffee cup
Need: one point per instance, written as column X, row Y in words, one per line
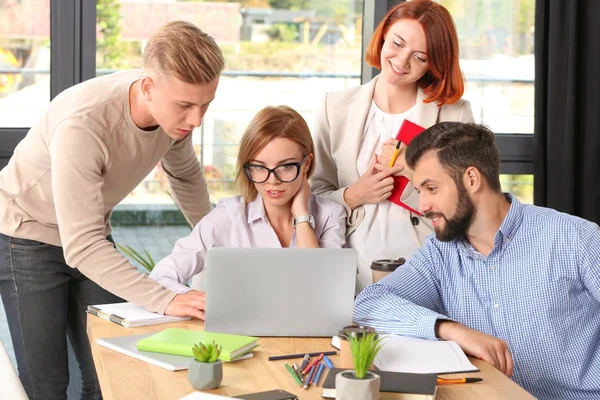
column 346, row 360
column 382, row 268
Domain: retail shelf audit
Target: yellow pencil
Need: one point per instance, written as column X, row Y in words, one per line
column 395, row 155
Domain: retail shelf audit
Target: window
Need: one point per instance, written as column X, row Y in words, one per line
column 497, row 59
column 24, row 61
column 277, row 52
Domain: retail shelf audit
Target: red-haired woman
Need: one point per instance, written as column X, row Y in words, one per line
column 416, row 48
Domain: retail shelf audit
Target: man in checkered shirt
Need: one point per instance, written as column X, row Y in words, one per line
column 513, row 284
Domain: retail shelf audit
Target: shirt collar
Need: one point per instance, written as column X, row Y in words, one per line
column 514, row 217
column 256, row 209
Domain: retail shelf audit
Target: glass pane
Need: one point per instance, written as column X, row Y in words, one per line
column 276, row 52
column 519, row 185
column 496, row 50
column 24, row 61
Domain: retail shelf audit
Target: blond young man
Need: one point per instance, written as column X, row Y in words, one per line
column 92, row 147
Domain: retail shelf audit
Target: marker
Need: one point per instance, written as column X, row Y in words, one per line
column 328, row 362
column 315, row 380
column 307, row 379
column 287, row 366
column 297, row 372
column 305, row 360
column 312, row 363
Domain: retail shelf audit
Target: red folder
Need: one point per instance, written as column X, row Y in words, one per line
column 408, row 130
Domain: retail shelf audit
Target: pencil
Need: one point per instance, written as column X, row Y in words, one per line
column 301, row 355
column 450, row 381
column 287, row 366
column 395, row 155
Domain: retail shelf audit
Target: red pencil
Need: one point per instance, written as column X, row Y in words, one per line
column 312, row 362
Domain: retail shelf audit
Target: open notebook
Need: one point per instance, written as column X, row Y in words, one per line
column 129, row 315
column 405, row 354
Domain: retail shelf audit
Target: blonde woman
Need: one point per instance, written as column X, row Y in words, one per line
column 275, row 208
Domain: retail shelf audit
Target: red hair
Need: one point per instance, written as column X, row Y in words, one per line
column 443, row 82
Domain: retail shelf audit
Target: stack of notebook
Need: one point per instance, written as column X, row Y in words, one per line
column 172, row 348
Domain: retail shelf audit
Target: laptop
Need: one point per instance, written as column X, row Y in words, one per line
column 279, row 292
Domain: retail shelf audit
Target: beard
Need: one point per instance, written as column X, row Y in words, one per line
column 457, row 226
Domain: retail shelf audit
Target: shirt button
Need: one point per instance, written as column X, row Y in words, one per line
column 496, row 305
column 492, row 268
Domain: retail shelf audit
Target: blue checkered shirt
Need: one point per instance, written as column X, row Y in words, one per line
column 538, row 290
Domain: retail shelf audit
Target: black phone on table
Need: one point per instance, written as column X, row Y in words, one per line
column 277, row 394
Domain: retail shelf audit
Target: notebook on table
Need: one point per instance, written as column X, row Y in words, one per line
column 412, row 386
column 129, row 315
column 407, row 354
column 180, row 342
column 279, row 292
column 128, row 345
column 205, row 396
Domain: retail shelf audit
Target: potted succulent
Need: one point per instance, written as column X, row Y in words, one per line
column 206, row 370
column 360, row 383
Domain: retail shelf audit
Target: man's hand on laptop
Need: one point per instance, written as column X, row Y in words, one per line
column 478, row 344
column 190, row 304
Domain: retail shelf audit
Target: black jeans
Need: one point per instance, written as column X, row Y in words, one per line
column 45, row 300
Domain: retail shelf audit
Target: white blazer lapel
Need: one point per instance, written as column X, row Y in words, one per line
column 358, row 109
column 426, row 114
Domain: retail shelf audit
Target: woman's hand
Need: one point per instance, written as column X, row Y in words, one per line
column 300, row 200
column 387, row 152
column 374, row 186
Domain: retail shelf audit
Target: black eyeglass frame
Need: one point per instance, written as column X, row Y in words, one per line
column 273, row 171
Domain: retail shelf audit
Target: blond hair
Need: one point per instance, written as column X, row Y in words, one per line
column 180, row 49
column 271, row 123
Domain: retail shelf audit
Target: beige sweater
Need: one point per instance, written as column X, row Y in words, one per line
column 82, row 157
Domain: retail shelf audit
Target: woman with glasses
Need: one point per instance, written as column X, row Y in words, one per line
column 416, row 48
column 275, row 208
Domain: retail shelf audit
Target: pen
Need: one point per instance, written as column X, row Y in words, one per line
column 301, row 355
column 318, row 374
column 297, row 372
column 395, row 155
column 312, row 363
column 328, row 362
column 450, row 381
column 308, row 377
column 287, row 366
column 305, row 360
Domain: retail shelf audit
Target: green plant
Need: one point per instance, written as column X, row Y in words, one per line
column 145, row 261
column 364, row 349
column 206, row 353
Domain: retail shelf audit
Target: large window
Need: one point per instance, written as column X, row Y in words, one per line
column 496, row 56
column 24, row 61
column 277, row 52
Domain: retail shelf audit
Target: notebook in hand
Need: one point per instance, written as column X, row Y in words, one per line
column 128, row 345
column 408, row 130
column 180, row 342
column 407, row 354
column 129, row 315
column 412, row 386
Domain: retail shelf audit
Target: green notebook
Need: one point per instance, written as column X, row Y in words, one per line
column 180, row 341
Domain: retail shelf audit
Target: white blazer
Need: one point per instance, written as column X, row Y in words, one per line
column 339, row 127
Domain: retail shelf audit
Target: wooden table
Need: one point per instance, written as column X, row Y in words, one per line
column 123, row 377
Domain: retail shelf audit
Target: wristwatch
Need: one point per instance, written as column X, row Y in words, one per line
column 304, row 218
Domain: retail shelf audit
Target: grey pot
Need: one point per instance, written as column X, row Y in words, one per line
column 349, row 387
column 205, row 376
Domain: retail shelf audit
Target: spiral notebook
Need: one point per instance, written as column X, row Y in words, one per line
column 129, row 315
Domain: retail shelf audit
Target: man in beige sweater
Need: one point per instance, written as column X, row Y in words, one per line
column 92, row 147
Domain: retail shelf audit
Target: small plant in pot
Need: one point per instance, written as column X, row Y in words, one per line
column 206, row 370
column 360, row 383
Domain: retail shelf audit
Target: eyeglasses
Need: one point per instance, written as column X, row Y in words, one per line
column 287, row 172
